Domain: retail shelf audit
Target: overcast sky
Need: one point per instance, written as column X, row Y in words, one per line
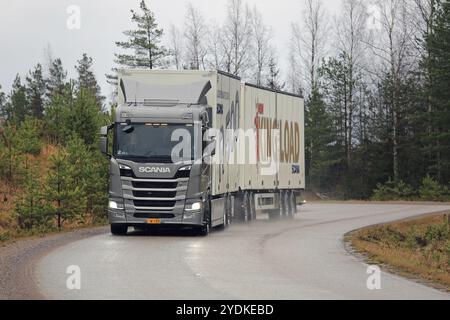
column 28, row 27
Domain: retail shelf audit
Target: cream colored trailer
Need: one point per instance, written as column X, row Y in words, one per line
column 261, row 142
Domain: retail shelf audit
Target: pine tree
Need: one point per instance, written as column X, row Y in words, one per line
column 87, row 80
column 17, row 107
column 273, row 78
column 35, row 88
column 438, row 44
column 63, row 194
column 27, row 139
column 58, row 114
column 84, row 118
column 30, row 207
column 57, row 79
column 319, row 146
column 73, row 113
column 11, row 158
column 2, row 104
column 144, row 41
column 91, row 173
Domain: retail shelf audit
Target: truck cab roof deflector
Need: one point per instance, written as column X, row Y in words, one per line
column 145, row 93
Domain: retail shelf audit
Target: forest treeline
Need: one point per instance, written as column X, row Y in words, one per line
column 375, row 78
column 51, row 170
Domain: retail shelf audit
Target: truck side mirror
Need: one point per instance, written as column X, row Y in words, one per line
column 104, row 140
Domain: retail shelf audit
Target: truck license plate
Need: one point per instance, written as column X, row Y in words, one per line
column 154, row 221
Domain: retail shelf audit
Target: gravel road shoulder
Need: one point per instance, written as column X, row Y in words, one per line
column 17, row 261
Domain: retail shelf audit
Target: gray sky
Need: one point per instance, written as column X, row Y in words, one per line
column 28, row 27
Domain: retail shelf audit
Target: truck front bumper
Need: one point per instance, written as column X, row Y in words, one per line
column 193, row 219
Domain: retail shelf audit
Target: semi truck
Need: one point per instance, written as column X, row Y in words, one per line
column 200, row 149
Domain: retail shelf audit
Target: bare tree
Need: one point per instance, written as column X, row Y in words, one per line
column 422, row 13
column 308, row 42
column 294, row 78
column 195, row 35
column 394, row 49
column 215, row 47
column 237, row 34
column 261, row 38
column 351, row 35
column 176, row 47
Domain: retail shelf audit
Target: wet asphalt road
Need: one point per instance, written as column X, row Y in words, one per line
column 303, row 258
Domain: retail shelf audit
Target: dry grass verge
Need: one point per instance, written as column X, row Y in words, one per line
column 417, row 248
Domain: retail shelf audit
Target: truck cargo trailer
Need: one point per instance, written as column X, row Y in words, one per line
column 200, row 149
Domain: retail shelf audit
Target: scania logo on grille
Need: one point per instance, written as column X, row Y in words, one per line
column 154, row 170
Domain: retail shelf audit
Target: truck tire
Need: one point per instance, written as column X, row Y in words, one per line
column 289, row 206
column 252, row 206
column 119, row 229
column 247, row 212
column 239, row 207
column 294, row 203
column 226, row 215
column 283, row 204
column 206, row 228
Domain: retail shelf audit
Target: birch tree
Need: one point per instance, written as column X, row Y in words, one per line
column 394, row 50
column 195, row 35
column 261, row 39
column 176, row 47
column 237, row 33
column 350, row 35
column 308, row 43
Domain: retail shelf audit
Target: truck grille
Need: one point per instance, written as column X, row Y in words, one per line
column 154, row 194
column 154, row 185
column 152, row 197
column 154, row 204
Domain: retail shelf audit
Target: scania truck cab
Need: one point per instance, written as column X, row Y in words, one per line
column 157, row 173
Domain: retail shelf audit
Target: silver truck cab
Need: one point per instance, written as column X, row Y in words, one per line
column 157, row 176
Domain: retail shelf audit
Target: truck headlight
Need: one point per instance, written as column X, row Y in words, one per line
column 124, row 167
column 196, row 206
column 114, row 205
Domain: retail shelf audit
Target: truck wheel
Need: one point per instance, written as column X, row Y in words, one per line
column 283, row 204
column 206, row 228
column 252, row 206
column 246, row 208
column 289, row 207
column 239, row 207
column 119, row 229
column 227, row 213
column 294, row 203
column 226, row 216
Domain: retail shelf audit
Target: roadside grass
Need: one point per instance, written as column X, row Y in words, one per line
column 416, row 248
column 11, row 236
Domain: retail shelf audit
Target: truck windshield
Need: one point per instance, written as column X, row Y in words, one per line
column 164, row 143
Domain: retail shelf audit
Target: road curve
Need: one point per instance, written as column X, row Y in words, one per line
column 303, row 258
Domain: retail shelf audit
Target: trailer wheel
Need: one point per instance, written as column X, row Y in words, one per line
column 289, row 206
column 119, row 229
column 294, row 203
column 247, row 217
column 252, row 206
column 283, row 204
column 226, row 216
